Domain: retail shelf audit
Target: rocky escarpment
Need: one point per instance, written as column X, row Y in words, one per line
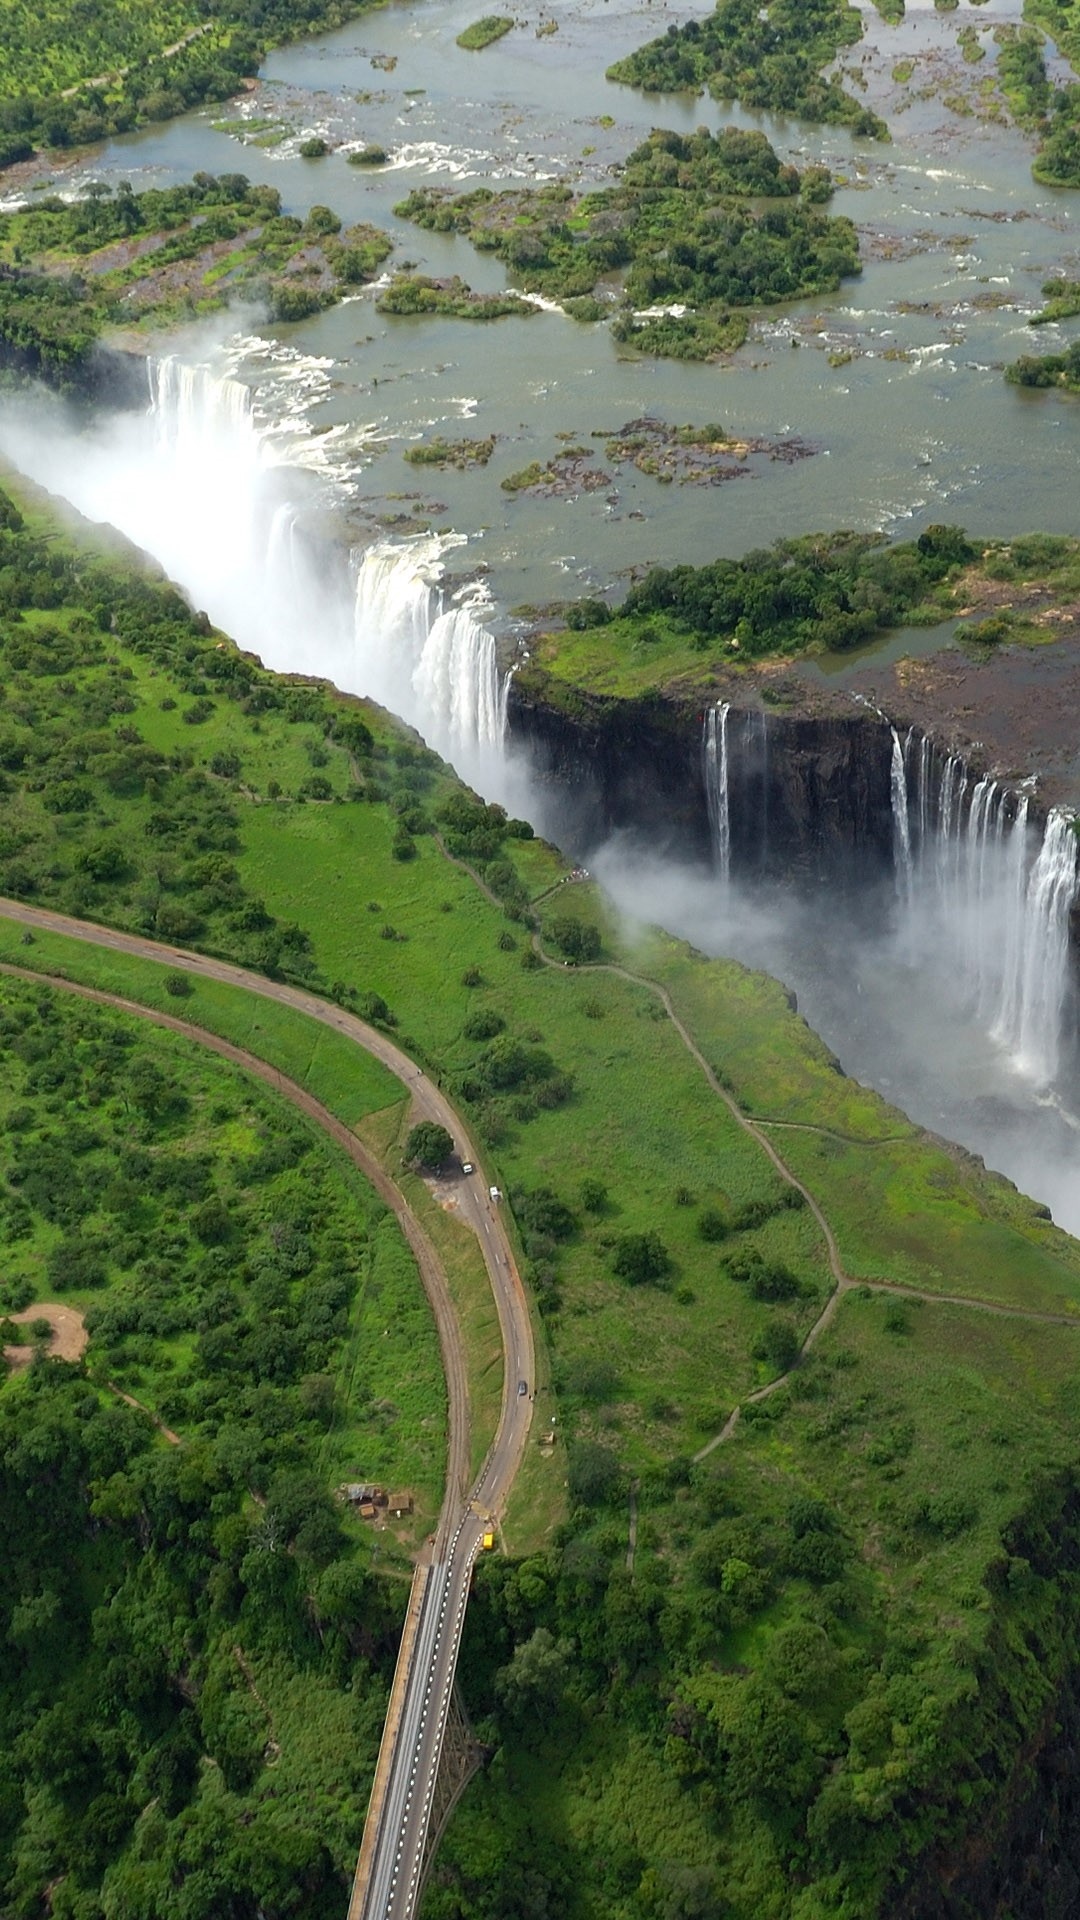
column 808, row 792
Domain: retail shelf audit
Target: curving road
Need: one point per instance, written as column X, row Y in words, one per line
column 390, row 1869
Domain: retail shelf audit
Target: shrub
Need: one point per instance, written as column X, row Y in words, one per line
column 484, row 1024
column 178, row 985
column 428, row 1145
column 640, row 1257
column 712, row 1225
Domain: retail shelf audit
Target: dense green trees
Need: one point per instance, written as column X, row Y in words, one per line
column 823, row 590
column 768, row 57
column 195, row 1659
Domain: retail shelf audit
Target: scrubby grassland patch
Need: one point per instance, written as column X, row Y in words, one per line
column 680, row 222
column 690, row 455
column 831, row 1631
column 167, row 1609
column 70, row 271
column 771, row 58
column 483, row 32
column 72, row 73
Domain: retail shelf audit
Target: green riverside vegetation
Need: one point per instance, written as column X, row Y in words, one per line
column 71, row 73
column 761, row 1675
column 684, row 222
column 70, row 271
column 771, row 58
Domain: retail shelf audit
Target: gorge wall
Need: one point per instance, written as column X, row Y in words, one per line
column 809, row 795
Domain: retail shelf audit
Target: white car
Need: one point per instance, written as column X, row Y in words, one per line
column 467, row 1167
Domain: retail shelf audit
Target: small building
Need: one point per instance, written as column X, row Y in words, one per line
column 399, row 1503
column 368, row 1510
column 360, row 1494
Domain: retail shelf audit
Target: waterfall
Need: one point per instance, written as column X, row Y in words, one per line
column 716, row 786
column 901, row 827
column 988, row 906
column 218, row 482
column 430, row 661
column 1030, row 1017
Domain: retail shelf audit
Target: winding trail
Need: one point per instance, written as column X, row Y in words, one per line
column 843, row 1282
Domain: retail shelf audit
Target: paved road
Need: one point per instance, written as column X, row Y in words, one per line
column 388, row 1877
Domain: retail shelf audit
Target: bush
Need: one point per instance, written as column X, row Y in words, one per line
column 578, row 940
column 178, row 985
column 712, row 1225
column 639, row 1258
column 484, row 1024
column 428, row 1145
column 314, row 149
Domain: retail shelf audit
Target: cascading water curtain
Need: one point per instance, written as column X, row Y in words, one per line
column 717, row 796
column 980, row 891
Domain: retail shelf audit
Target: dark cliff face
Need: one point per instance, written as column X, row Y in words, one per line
column 808, row 795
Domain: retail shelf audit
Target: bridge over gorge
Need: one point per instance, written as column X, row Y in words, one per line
column 412, row 1796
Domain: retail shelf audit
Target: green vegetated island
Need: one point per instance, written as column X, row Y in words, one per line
column 684, row 229
column 811, row 594
column 767, row 57
column 774, row 59
column 778, row 1675
column 72, row 73
column 116, row 262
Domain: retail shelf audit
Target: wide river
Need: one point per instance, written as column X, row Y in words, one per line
column 894, row 384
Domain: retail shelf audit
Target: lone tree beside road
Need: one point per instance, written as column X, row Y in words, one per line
column 428, row 1145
